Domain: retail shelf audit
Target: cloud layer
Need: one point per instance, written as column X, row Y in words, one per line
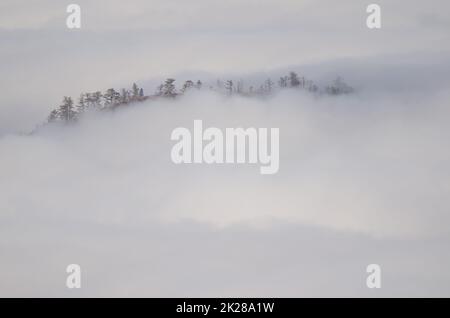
column 362, row 179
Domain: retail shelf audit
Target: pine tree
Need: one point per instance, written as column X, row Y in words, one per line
column 125, row 96
column 141, row 92
column 240, row 87
column 269, row 85
column 54, row 115
column 283, row 81
column 339, row 87
column 187, row 85
column 159, row 90
column 135, row 92
column 82, row 104
column 293, row 79
column 66, row 110
column 168, row 89
column 229, row 86
column 95, row 100
column 302, row 82
column 111, row 97
column 199, row 84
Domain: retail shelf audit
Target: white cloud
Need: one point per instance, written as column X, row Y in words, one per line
column 358, row 172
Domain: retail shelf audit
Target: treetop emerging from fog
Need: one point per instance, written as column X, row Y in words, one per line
column 70, row 111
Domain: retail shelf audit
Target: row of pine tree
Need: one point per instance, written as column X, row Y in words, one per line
column 70, row 111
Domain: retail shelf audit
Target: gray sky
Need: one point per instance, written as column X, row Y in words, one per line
column 41, row 60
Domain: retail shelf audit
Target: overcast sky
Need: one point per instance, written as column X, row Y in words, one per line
column 41, row 60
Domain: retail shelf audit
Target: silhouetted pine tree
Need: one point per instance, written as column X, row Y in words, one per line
column 82, row 104
column 283, row 82
column 66, row 110
column 124, row 96
column 293, row 79
column 339, row 87
column 229, row 87
column 134, row 92
column 269, row 85
column 54, row 115
column 168, row 89
column 187, row 85
column 111, row 97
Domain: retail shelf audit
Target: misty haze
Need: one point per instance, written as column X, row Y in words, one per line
column 86, row 175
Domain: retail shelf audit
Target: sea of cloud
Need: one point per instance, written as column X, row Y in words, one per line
column 363, row 179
